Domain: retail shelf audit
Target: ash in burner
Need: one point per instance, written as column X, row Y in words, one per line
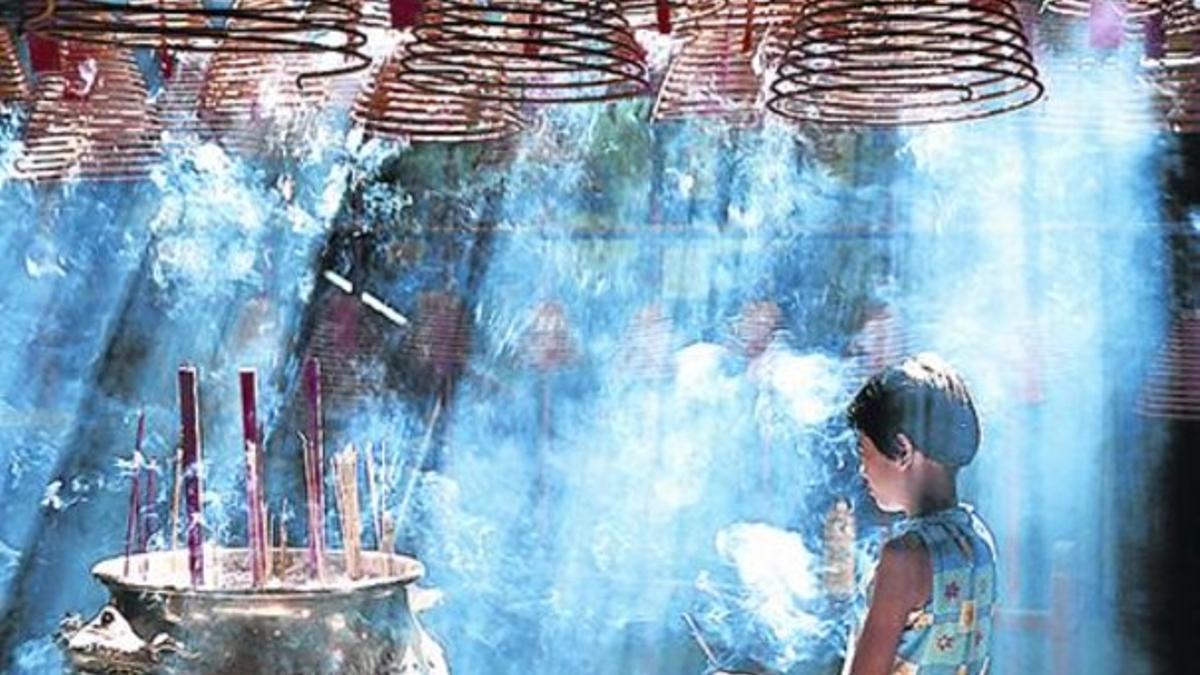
column 230, row 570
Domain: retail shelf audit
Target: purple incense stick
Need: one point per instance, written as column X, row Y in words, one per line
column 254, row 496
column 189, row 412
column 316, row 457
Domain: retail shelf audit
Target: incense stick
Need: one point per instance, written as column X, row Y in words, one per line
column 148, row 516
column 426, row 442
column 176, row 493
column 255, row 505
column 345, row 475
column 699, row 638
column 374, row 496
column 189, row 405
column 133, row 521
column 315, row 459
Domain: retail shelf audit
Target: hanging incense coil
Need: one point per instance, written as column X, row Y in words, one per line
column 549, row 344
column 1124, row 107
column 665, row 15
column 92, row 121
column 883, row 340
column 179, row 99
column 535, row 51
column 1133, row 13
column 1172, row 388
column 1117, row 91
column 13, row 86
column 1177, row 72
column 441, row 341
column 891, row 62
column 390, row 106
column 255, row 26
column 713, row 75
column 252, row 102
column 649, row 346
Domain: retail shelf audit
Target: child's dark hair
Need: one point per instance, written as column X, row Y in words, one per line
column 926, row 400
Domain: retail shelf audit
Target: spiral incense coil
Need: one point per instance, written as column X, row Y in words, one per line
column 540, row 51
column 12, row 77
column 649, row 346
column 713, row 75
column 1124, row 108
column 1134, row 13
column 1177, row 73
column 890, row 62
column 645, row 14
column 178, row 101
column 254, row 26
column 249, row 101
column 884, row 339
column 1172, row 388
column 93, row 121
column 441, row 339
column 391, row 107
column 548, row 343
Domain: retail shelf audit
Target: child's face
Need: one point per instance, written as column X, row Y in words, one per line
column 885, row 477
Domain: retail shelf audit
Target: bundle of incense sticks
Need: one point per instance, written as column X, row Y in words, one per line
column 345, row 481
column 192, row 468
column 133, row 522
column 256, row 506
column 314, row 471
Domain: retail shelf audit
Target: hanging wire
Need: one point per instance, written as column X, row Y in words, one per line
column 539, row 51
column 891, row 62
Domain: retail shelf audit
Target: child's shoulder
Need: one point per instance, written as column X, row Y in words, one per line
column 905, row 543
column 905, row 572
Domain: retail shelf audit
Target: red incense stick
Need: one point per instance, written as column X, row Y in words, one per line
column 189, row 410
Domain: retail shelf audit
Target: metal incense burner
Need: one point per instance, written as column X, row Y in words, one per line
column 156, row 623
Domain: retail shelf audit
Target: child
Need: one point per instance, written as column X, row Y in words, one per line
column 934, row 588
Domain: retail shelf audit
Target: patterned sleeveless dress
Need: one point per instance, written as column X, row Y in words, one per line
column 952, row 633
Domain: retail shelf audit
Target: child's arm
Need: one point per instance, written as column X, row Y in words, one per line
column 902, row 583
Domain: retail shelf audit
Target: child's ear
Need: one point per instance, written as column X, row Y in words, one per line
column 907, row 451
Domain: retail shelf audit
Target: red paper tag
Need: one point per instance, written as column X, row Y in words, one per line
column 166, row 62
column 1106, row 24
column 44, row 54
column 404, row 13
column 663, row 9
